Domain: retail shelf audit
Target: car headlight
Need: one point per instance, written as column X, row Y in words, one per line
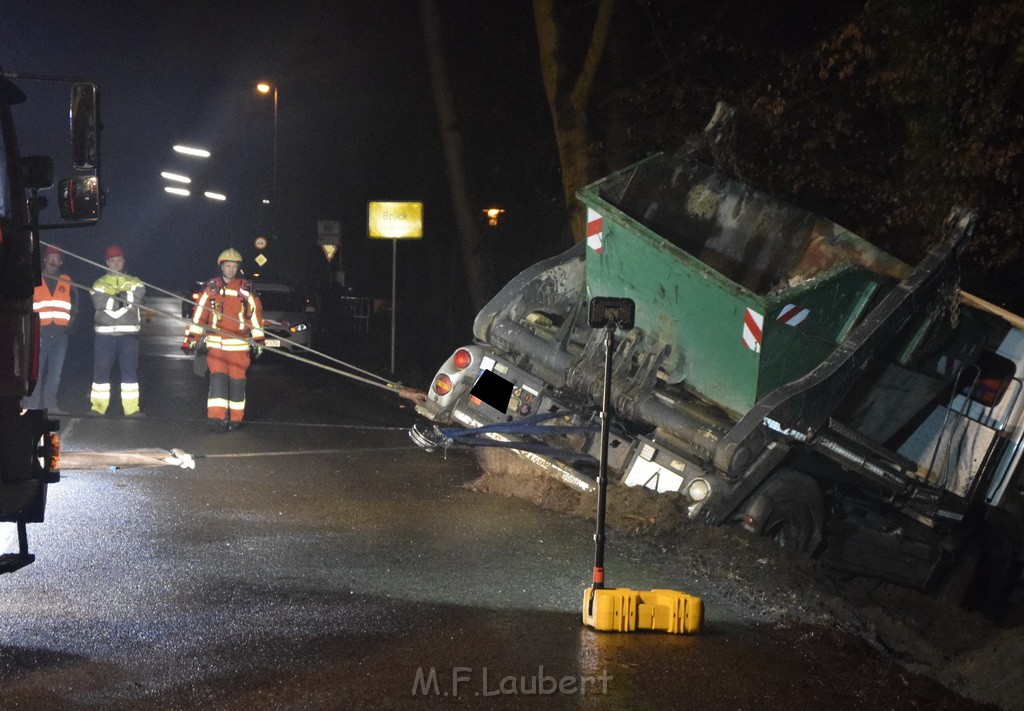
column 299, row 327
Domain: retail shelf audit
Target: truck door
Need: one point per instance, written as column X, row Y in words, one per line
column 976, row 434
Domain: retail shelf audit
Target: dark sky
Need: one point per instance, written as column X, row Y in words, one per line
column 356, row 122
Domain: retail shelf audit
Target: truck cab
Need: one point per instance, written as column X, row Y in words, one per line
column 29, row 447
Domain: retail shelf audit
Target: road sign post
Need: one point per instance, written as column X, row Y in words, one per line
column 394, row 221
column 328, row 236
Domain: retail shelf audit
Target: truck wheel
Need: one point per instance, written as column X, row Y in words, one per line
column 959, row 579
column 791, row 526
column 788, row 508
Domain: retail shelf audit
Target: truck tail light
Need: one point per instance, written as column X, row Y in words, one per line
column 442, row 385
column 462, row 359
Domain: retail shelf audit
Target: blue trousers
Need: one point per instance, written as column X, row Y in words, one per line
column 53, row 346
column 124, row 350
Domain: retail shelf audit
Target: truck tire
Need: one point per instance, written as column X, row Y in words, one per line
column 791, row 526
column 789, row 509
column 986, row 574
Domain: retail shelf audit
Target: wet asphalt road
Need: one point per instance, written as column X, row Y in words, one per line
column 366, row 577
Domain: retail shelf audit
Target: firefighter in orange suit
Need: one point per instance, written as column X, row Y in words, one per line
column 228, row 324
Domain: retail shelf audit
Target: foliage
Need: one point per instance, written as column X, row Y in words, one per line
column 900, row 115
column 881, row 115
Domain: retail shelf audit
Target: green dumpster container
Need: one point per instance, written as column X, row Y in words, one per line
column 747, row 292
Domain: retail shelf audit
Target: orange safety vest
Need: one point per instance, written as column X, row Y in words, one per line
column 53, row 306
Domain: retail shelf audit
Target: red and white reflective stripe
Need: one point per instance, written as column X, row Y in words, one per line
column 793, row 315
column 595, row 230
column 753, row 324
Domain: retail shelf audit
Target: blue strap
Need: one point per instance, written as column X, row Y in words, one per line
column 526, row 426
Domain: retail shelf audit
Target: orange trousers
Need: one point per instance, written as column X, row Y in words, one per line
column 226, row 400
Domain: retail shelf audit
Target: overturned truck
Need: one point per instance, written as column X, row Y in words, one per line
column 784, row 375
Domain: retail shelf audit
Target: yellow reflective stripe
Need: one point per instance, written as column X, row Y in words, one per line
column 237, row 406
column 217, row 402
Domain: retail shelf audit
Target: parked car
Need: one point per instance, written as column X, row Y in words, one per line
column 287, row 319
column 189, row 299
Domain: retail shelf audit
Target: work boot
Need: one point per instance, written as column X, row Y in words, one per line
column 234, row 425
column 215, row 425
column 137, row 413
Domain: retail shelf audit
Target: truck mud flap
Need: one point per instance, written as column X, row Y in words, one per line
column 553, row 468
column 505, row 435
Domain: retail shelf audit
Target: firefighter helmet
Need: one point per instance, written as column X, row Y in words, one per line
column 229, row 255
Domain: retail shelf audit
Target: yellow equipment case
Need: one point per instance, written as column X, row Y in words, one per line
column 625, row 610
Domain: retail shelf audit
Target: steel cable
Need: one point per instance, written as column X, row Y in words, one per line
column 377, row 380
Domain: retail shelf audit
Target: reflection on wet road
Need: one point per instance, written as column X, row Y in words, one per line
column 369, row 578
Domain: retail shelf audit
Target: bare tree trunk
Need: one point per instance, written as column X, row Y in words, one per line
column 569, row 101
column 454, row 161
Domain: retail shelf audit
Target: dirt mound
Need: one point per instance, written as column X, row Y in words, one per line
column 962, row 650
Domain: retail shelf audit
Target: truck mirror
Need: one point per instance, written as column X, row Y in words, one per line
column 85, row 139
column 37, row 172
column 79, row 198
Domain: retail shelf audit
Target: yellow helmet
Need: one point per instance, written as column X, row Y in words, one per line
column 230, row 255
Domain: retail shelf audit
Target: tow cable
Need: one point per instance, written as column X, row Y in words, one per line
column 367, row 377
column 141, row 458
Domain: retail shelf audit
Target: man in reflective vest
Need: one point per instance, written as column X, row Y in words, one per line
column 116, row 297
column 228, row 323
column 54, row 301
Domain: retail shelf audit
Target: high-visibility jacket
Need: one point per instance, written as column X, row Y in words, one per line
column 227, row 315
column 53, row 305
column 117, row 315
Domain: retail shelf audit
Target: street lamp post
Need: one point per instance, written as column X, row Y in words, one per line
column 265, row 88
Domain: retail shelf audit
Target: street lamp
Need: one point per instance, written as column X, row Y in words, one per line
column 265, row 88
column 192, row 151
column 493, row 213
